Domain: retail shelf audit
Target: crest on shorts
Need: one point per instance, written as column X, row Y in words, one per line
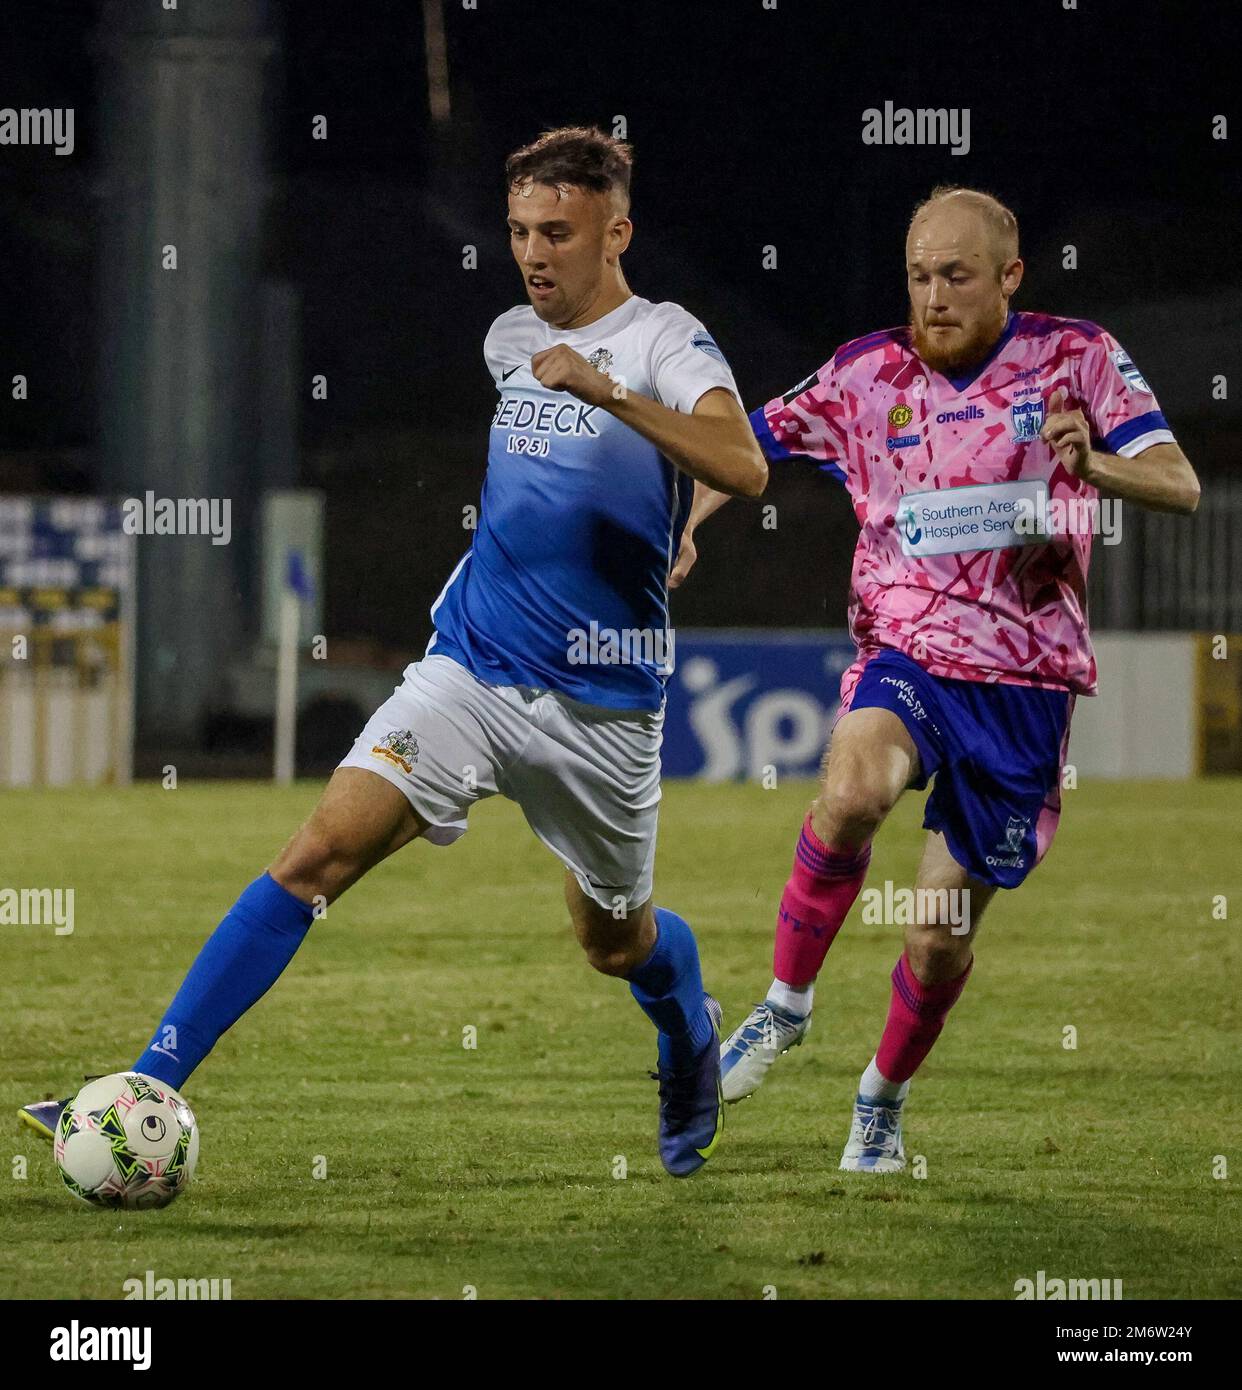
column 601, row 360
column 1028, row 420
column 1015, row 832
column 398, row 747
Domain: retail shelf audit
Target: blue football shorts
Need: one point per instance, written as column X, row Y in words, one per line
column 995, row 751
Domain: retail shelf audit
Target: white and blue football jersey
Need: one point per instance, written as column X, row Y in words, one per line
column 566, row 585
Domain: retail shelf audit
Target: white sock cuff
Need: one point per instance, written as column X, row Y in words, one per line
column 875, row 1084
column 795, row 1000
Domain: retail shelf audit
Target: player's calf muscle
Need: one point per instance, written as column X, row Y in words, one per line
column 949, row 905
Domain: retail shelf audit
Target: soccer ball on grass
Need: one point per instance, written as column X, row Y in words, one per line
column 128, row 1141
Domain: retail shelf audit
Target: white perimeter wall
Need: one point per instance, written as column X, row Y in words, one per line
column 1143, row 722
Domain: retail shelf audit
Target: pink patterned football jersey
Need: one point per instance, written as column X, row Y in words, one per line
column 974, row 543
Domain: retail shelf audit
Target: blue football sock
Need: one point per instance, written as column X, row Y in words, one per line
column 240, row 961
column 669, row 989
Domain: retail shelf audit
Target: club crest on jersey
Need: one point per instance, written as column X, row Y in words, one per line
column 1133, row 377
column 1028, row 420
column 900, row 416
column 398, row 747
column 601, row 360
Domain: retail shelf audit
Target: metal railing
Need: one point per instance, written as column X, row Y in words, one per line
column 1174, row 571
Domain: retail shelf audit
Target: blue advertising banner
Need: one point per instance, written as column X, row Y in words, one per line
column 744, row 701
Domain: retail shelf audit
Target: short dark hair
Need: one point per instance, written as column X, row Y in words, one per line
column 573, row 157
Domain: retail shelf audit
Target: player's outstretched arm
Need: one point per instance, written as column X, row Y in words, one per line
column 714, row 445
column 1161, row 477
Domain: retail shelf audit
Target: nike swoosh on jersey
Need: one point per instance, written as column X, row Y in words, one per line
column 504, row 376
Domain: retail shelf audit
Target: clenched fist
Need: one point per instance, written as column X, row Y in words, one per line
column 560, row 368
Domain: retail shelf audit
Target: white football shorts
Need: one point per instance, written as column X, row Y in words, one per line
column 587, row 778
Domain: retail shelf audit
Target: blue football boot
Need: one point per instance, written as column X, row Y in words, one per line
column 43, row 1116
column 692, row 1106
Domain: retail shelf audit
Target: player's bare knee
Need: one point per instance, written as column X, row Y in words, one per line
column 316, row 862
column 614, row 959
column 850, row 809
column 613, row 945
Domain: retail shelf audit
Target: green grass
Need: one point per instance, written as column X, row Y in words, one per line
column 493, row 1167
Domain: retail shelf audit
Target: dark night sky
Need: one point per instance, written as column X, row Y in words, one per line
column 746, row 122
column 1094, row 124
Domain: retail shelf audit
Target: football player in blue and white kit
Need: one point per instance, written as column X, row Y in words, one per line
column 544, row 680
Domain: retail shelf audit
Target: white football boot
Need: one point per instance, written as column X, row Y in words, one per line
column 874, row 1145
column 765, row 1034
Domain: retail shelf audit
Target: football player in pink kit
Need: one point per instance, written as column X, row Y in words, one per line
column 974, row 445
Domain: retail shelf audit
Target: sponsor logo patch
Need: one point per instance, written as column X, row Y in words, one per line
column 981, row 516
column 899, row 418
column 905, row 692
column 948, row 417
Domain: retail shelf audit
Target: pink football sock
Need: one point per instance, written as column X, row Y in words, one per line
column 915, row 1017
column 820, row 891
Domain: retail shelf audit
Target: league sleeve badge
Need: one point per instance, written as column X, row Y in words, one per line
column 1133, row 377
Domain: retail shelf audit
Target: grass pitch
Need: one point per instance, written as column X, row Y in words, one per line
column 495, row 1168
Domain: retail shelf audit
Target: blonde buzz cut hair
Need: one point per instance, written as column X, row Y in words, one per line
column 1000, row 221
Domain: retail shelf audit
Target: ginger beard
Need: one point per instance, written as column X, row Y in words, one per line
column 950, row 347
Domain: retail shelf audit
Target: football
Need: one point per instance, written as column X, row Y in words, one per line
column 126, row 1141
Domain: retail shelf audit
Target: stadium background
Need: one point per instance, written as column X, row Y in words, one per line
column 344, row 257
column 495, row 1168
